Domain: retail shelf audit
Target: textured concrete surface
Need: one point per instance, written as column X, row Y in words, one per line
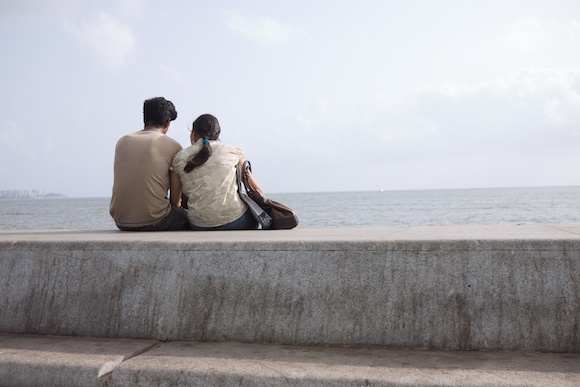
column 480, row 288
column 67, row 361
column 63, row 361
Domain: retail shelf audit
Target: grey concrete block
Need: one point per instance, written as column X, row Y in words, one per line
column 485, row 288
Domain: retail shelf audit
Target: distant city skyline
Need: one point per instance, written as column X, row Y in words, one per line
column 27, row 194
column 321, row 96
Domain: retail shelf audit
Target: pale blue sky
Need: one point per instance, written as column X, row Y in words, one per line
column 321, row 95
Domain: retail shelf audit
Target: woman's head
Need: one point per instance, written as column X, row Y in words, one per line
column 207, row 127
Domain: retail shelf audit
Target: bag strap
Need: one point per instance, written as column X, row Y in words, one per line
column 247, row 167
column 258, row 212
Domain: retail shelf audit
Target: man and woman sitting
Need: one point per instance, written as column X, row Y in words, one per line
column 201, row 179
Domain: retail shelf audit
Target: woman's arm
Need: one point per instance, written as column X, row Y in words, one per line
column 248, row 174
column 175, row 189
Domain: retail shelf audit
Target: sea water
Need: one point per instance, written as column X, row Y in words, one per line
column 341, row 209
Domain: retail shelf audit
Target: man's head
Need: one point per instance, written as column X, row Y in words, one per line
column 158, row 112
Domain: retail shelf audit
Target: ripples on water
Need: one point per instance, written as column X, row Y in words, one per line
column 436, row 207
column 342, row 209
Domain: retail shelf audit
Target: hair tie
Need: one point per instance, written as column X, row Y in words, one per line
column 205, row 141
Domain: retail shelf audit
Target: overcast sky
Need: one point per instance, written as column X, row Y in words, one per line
column 321, row 95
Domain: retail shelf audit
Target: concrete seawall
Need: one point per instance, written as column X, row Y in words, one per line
column 465, row 288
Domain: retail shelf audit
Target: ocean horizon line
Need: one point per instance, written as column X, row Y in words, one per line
column 363, row 191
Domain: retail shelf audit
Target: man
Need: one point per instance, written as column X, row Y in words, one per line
column 142, row 177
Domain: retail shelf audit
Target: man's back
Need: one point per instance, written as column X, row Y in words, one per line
column 141, row 182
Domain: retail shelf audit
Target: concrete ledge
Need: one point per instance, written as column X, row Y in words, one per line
column 467, row 288
column 66, row 361
column 63, row 361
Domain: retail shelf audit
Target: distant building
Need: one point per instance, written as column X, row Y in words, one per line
column 27, row 194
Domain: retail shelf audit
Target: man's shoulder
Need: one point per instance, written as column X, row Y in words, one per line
column 128, row 135
column 126, row 140
column 170, row 140
column 170, row 144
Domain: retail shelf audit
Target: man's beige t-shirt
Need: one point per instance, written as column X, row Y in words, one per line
column 141, row 182
column 211, row 188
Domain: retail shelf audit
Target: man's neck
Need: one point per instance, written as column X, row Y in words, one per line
column 153, row 129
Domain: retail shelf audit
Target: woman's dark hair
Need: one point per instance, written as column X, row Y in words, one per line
column 206, row 127
column 157, row 111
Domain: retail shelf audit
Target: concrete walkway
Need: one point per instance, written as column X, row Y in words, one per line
column 74, row 361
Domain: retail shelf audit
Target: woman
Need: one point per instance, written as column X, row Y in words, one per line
column 207, row 176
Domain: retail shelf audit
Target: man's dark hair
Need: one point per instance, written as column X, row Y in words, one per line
column 157, row 111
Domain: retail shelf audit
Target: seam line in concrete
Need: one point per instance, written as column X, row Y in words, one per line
column 564, row 230
column 272, row 369
column 108, row 367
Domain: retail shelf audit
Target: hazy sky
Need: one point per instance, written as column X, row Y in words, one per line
column 321, row 95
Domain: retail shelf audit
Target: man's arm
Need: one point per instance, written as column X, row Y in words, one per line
column 175, row 189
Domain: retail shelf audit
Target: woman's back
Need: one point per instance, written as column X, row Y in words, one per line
column 211, row 188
